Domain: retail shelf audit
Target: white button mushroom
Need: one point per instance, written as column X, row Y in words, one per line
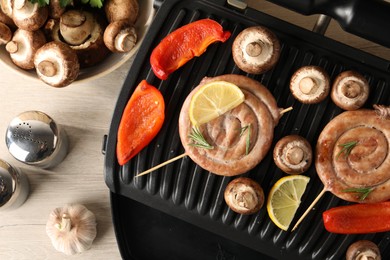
column 29, row 16
column 121, row 10
column 90, row 51
column 363, row 250
column 23, row 46
column 350, row 90
column 71, row 229
column 244, row 195
column 120, row 36
column 56, row 64
column 76, row 26
column 293, row 154
column 310, row 84
column 256, row 50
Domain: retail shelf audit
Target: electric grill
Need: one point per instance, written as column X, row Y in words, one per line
column 178, row 211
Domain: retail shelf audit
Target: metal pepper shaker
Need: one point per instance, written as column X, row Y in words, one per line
column 14, row 187
column 34, row 138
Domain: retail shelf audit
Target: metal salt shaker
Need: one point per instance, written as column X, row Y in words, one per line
column 35, row 139
column 14, row 187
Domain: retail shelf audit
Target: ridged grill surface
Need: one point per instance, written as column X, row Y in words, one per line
column 185, row 190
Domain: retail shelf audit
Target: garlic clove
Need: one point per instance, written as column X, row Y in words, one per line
column 71, row 229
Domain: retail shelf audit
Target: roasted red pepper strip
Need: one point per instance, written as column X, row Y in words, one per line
column 184, row 44
column 358, row 218
column 142, row 119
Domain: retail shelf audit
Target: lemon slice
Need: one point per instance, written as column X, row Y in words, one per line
column 212, row 100
column 284, row 199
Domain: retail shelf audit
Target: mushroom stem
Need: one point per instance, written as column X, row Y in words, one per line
column 294, row 155
column 66, row 223
column 307, row 85
column 246, row 198
column 254, row 49
column 11, row 47
column 47, row 68
column 351, row 89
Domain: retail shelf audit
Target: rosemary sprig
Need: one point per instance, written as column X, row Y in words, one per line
column 346, row 148
column 198, row 139
column 364, row 192
column 248, row 137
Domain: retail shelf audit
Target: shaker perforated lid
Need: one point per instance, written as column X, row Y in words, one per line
column 34, row 138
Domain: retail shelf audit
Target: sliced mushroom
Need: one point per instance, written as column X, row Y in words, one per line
column 89, row 52
column 5, row 34
column 29, row 16
column 57, row 64
column 244, row 196
column 76, row 26
column 350, row 90
column 121, row 10
column 256, row 50
column 363, row 250
column 120, row 36
column 23, row 47
column 310, row 84
column 293, row 154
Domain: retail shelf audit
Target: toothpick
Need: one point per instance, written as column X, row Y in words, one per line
column 309, row 208
column 285, row 110
column 161, row 164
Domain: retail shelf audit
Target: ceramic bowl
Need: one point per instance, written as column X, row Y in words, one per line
column 111, row 63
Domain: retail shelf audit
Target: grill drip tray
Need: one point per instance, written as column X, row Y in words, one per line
column 178, row 211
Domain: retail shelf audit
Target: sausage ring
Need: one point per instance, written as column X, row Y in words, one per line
column 241, row 137
column 352, row 156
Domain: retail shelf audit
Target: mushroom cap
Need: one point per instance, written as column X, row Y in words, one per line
column 23, row 46
column 350, row 90
column 244, row 196
column 57, row 64
column 121, row 10
column 293, row 154
column 4, row 18
column 29, row 16
column 256, row 50
column 310, row 84
column 120, row 36
column 6, row 7
column 363, row 249
column 55, row 9
column 5, row 34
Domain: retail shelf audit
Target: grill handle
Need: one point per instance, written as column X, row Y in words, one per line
column 367, row 19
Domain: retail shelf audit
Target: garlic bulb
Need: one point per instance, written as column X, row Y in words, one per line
column 71, row 229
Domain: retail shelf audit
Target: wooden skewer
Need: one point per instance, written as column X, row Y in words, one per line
column 184, row 154
column 285, row 110
column 162, row 164
column 309, row 208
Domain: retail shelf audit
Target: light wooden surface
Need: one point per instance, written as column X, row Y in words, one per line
column 85, row 111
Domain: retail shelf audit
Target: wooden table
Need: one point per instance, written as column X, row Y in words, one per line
column 84, row 110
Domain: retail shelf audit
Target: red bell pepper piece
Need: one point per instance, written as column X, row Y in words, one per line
column 184, row 44
column 358, row 218
column 142, row 119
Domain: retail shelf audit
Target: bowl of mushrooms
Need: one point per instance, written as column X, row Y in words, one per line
column 69, row 41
